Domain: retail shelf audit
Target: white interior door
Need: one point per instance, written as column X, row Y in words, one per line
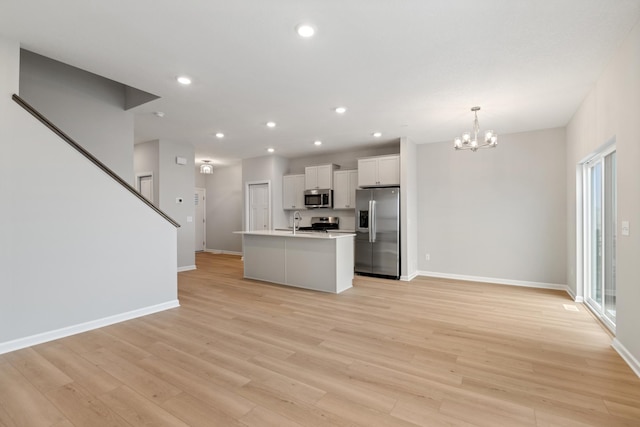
column 201, row 220
column 259, row 212
column 145, row 186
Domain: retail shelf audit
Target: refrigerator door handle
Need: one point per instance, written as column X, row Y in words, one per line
column 372, row 221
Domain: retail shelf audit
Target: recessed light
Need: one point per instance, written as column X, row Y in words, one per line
column 341, row 110
column 184, row 80
column 158, row 114
column 271, row 124
column 219, row 135
column 377, row 134
column 318, row 142
column 305, row 30
column 271, row 150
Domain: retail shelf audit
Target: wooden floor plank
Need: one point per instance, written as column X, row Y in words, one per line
column 22, row 403
column 431, row 352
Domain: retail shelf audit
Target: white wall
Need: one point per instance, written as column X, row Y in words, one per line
column 87, row 107
column 612, row 109
column 224, row 208
column 496, row 213
column 78, row 251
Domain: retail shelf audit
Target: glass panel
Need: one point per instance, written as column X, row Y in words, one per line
column 595, row 230
column 610, row 215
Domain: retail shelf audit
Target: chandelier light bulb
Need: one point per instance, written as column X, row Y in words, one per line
column 470, row 142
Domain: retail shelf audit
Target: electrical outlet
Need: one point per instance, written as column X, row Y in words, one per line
column 427, row 257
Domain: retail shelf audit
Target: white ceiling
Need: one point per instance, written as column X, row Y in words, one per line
column 402, row 67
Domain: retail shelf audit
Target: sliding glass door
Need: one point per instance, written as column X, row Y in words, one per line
column 600, row 235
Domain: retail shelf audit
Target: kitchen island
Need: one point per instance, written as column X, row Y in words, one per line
column 310, row 260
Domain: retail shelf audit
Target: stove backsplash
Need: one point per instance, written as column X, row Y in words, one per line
column 347, row 217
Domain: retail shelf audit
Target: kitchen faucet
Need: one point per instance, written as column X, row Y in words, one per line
column 296, row 221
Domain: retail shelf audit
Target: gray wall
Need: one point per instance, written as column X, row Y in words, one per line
column 497, row 213
column 267, row 168
column 172, row 181
column 146, row 158
column 611, row 110
column 78, row 251
column 345, row 159
column 224, row 209
column 87, row 107
column 408, row 209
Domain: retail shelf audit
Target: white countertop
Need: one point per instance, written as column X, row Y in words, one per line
column 299, row 234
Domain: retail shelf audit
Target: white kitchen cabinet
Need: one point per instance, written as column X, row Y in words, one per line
column 379, row 171
column 344, row 189
column 319, row 177
column 293, row 192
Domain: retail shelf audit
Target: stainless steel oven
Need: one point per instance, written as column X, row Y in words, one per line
column 318, row 198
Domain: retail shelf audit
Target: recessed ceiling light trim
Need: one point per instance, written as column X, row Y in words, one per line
column 184, row 80
column 340, row 110
column 219, row 135
column 271, row 150
column 317, row 142
column 271, row 124
column 305, row 30
column 376, row 134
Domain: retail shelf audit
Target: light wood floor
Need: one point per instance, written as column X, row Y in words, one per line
column 430, row 352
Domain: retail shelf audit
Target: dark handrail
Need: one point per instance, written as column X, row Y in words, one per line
column 90, row 156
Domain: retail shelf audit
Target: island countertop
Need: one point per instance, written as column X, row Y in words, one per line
column 299, row 234
column 307, row 259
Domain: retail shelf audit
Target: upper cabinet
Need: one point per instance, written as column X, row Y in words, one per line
column 317, row 177
column 293, row 192
column 379, row 171
column 344, row 189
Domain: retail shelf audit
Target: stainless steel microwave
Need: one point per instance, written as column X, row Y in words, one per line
column 318, row 198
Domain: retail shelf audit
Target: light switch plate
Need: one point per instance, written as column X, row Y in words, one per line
column 625, row 228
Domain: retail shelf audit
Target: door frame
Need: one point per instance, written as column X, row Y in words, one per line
column 582, row 276
column 137, row 182
column 247, row 204
column 204, row 216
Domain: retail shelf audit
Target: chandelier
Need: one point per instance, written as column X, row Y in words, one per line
column 206, row 168
column 465, row 142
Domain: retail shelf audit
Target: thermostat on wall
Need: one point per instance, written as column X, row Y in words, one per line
column 181, row 160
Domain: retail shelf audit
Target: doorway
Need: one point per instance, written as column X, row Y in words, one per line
column 258, row 206
column 599, row 236
column 144, row 184
column 201, row 219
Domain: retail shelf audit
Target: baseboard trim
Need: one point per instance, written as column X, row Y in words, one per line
column 498, row 281
column 186, row 268
column 573, row 295
column 626, row 356
column 410, row 277
column 222, row 251
column 29, row 341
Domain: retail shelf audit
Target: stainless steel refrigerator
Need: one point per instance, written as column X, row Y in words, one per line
column 378, row 232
